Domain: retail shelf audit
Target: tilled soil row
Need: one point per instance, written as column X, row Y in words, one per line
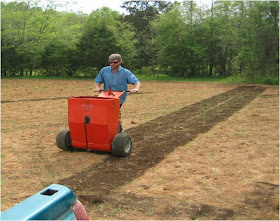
column 154, row 140
column 35, row 99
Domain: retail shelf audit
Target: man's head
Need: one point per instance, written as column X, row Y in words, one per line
column 114, row 57
column 115, row 60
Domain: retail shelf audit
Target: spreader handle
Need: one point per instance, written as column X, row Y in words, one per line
column 115, row 91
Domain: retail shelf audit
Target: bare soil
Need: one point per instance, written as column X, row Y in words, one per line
column 201, row 151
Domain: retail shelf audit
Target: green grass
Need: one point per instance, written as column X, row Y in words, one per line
column 50, row 77
column 267, row 80
column 229, row 80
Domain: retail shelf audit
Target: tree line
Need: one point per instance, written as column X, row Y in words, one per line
column 228, row 38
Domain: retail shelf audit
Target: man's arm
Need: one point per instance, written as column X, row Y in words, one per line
column 98, row 81
column 97, row 87
column 136, row 87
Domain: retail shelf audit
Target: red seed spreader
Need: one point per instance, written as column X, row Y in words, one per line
column 94, row 125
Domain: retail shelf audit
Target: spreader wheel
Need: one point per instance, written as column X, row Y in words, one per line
column 122, row 145
column 63, row 139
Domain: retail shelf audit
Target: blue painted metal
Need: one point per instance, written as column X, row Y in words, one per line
column 53, row 202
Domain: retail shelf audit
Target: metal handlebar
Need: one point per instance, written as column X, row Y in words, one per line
column 115, row 91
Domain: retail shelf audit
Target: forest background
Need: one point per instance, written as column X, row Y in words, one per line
column 237, row 39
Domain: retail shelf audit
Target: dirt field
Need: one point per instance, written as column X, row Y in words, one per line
column 201, row 151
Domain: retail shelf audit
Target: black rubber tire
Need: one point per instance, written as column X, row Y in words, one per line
column 122, row 145
column 63, row 140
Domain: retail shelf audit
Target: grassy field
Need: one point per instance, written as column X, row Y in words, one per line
column 201, row 150
column 264, row 80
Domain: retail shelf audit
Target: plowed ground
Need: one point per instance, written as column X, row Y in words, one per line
column 201, row 151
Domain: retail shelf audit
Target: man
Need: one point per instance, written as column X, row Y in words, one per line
column 116, row 78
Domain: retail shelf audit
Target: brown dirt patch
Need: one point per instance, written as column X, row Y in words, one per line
column 206, row 151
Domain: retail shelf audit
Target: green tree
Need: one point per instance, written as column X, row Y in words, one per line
column 24, row 26
column 140, row 15
column 59, row 56
column 244, row 38
column 104, row 33
column 182, row 39
column 260, row 51
column 180, row 42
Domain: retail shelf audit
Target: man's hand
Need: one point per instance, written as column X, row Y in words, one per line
column 136, row 88
column 133, row 90
column 97, row 87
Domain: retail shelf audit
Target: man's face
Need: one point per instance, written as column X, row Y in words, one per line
column 115, row 63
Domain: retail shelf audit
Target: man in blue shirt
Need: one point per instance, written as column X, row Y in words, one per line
column 116, row 78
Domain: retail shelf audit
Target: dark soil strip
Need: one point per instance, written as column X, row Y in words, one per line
column 35, row 99
column 157, row 138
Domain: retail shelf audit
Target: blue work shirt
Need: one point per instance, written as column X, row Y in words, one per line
column 117, row 81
